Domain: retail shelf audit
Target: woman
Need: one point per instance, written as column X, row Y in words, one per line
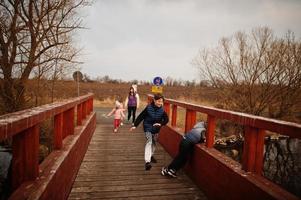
column 132, row 103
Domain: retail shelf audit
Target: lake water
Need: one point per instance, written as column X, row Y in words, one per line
column 282, row 162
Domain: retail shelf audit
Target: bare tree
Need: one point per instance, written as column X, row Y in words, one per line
column 33, row 36
column 256, row 72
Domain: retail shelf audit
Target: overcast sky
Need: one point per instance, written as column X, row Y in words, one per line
column 141, row 39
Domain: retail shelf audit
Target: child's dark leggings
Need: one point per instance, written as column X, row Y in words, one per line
column 185, row 149
column 132, row 110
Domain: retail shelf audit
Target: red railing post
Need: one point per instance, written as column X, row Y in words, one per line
column 259, row 152
column 210, row 131
column 92, row 102
column 190, row 119
column 58, row 131
column 174, row 116
column 25, row 163
column 167, row 108
column 68, row 122
column 84, row 109
column 65, row 124
column 71, row 121
column 79, row 111
column 88, row 106
column 252, row 160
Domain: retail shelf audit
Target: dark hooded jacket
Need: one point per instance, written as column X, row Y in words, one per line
column 151, row 115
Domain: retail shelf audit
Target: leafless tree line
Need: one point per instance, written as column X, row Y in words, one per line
column 35, row 41
column 168, row 81
column 256, row 73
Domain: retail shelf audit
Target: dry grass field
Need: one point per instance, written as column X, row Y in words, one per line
column 106, row 93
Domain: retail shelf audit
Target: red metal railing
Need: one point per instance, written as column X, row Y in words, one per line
column 23, row 128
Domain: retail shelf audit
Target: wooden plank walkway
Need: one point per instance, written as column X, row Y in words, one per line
column 113, row 168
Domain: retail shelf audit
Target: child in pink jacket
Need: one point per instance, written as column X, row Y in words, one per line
column 118, row 113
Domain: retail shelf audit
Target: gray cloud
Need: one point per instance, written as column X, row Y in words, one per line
column 140, row 39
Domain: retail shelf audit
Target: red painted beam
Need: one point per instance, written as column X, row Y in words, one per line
column 190, row 119
column 174, row 115
column 210, row 131
column 220, row 177
column 58, row 131
column 84, row 110
column 79, row 114
column 252, row 159
column 58, row 171
column 286, row 128
column 167, row 108
column 14, row 123
column 25, row 162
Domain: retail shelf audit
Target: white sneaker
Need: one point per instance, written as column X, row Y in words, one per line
column 121, row 124
column 164, row 171
column 172, row 173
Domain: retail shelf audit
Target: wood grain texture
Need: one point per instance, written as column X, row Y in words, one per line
column 113, row 168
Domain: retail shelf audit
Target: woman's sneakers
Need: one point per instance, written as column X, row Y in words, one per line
column 169, row 172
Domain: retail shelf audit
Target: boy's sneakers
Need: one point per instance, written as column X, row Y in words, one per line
column 172, row 173
column 153, row 159
column 164, row 171
column 148, row 166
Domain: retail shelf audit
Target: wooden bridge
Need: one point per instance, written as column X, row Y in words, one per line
column 111, row 165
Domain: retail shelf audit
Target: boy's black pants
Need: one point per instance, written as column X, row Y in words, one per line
column 185, row 148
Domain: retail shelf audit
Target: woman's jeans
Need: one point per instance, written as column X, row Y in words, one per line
column 132, row 111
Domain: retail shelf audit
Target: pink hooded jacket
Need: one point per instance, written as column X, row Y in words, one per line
column 118, row 111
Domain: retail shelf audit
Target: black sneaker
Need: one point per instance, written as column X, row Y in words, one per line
column 153, row 159
column 164, row 171
column 172, row 173
column 148, row 166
